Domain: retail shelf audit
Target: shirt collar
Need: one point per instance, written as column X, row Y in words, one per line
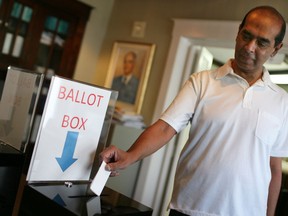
column 224, row 70
column 227, row 69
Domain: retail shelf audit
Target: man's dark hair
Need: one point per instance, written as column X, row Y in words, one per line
column 271, row 11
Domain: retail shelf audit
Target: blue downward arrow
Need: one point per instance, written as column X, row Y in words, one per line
column 67, row 159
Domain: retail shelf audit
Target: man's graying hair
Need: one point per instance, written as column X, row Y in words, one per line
column 271, row 11
column 134, row 55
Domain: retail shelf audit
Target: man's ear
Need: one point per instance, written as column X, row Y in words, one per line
column 277, row 48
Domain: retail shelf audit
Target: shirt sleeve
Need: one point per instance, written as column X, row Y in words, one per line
column 181, row 110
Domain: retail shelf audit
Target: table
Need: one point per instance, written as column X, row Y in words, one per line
column 11, row 162
column 52, row 199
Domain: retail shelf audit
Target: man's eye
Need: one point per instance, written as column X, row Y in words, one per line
column 262, row 44
column 246, row 37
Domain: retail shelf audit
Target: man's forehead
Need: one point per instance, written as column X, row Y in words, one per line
column 264, row 27
column 264, row 18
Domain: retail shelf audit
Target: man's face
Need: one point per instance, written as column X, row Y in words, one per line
column 255, row 42
column 129, row 63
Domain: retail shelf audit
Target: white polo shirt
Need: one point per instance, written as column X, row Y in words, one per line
column 224, row 167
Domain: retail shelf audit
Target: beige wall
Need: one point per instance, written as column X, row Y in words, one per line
column 97, row 47
column 92, row 41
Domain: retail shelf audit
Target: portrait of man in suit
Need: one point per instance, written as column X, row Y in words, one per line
column 127, row 83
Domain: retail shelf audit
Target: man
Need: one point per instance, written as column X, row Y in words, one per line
column 231, row 163
column 127, row 84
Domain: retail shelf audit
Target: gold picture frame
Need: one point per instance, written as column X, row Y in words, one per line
column 136, row 57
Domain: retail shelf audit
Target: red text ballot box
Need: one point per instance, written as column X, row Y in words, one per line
column 69, row 131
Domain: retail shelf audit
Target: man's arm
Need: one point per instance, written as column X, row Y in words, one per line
column 152, row 139
column 275, row 185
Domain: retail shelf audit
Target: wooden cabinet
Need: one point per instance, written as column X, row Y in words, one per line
column 42, row 35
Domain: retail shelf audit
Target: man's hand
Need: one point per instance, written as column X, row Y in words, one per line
column 115, row 158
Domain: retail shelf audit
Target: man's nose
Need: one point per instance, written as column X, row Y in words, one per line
column 251, row 45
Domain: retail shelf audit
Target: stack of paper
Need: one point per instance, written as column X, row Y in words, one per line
column 129, row 119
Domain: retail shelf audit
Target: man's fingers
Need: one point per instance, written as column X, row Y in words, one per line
column 108, row 154
column 110, row 167
column 114, row 174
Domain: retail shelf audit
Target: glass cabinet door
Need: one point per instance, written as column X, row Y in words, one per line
column 1, row 12
column 52, row 44
column 15, row 29
column 42, row 35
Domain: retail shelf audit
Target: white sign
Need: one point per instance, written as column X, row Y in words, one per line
column 69, row 131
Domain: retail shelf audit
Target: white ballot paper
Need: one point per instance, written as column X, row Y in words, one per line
column 100, row 179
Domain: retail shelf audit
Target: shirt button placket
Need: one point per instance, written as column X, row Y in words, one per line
column 247, row 100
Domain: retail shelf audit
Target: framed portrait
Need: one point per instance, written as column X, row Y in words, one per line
column 128, row 73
